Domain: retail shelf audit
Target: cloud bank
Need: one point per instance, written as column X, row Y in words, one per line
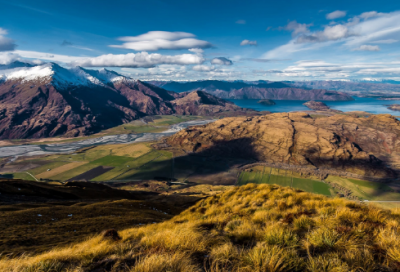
column 138, row 60
column 158, row 40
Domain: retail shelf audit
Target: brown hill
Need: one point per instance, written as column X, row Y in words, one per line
column 364, row 146
column 202, row 103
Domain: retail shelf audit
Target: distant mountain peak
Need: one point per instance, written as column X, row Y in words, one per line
column 52, row 73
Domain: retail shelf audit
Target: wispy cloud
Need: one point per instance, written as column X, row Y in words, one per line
column 368, row 27
column 70, row 44
column 247, row 42
column 138, row 60
column 366, row 47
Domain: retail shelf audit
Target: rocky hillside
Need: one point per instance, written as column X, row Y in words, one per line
column 365, row 146
column 254, row 90
column 49, row 100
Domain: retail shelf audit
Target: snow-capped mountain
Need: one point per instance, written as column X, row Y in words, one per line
column 49, row 100
column 62, row 77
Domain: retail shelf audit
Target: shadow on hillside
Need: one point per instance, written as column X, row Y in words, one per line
column 225, row 155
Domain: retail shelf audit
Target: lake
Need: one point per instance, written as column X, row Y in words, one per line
column 370, row 105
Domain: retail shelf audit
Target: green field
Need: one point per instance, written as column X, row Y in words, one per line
column 44, row 168
column 22, row 175
column 367, row 190
column 286, row 180
column 152, row 163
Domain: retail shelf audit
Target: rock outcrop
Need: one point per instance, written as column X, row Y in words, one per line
column 366, row 146
column 314, row 105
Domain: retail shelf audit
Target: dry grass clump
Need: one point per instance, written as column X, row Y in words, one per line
column 248, row 228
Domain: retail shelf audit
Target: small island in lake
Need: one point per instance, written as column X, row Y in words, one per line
column 314, row 105
column 266, row 102
column 394, row 107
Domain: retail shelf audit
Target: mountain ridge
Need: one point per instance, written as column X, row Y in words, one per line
column 254, row 90
column 49, row 100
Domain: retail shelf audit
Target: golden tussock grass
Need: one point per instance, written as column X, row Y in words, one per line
column 248, row 228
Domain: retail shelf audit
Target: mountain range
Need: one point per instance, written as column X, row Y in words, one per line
column 254, row 90
column 49, row 100
column 359, row 88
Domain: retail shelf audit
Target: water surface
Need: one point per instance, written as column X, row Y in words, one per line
column 371, row 105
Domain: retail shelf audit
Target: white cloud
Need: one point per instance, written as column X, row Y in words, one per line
column 284, row 51
column 366, row 28
column 247, row 42
column 203, row 68
column 365, row 47
column 6, row 44
column 296, row 28
column 319, row 69
column 157, row 40
column 388, row 41
column 381, row 27
column 330, row 33
column 336, row 14
column 47, row 56
column 370, row 14
column 221, row 61
column 241, row 22
column 198, row 51
column 336, row 32
column 7, row 58
column 138, row 60
column 161, row 72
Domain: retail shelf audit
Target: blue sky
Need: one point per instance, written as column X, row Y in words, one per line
column 189, row 40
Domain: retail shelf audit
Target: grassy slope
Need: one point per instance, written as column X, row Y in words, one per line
column 283, row 178
column 367, row 190
column 249, row 228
